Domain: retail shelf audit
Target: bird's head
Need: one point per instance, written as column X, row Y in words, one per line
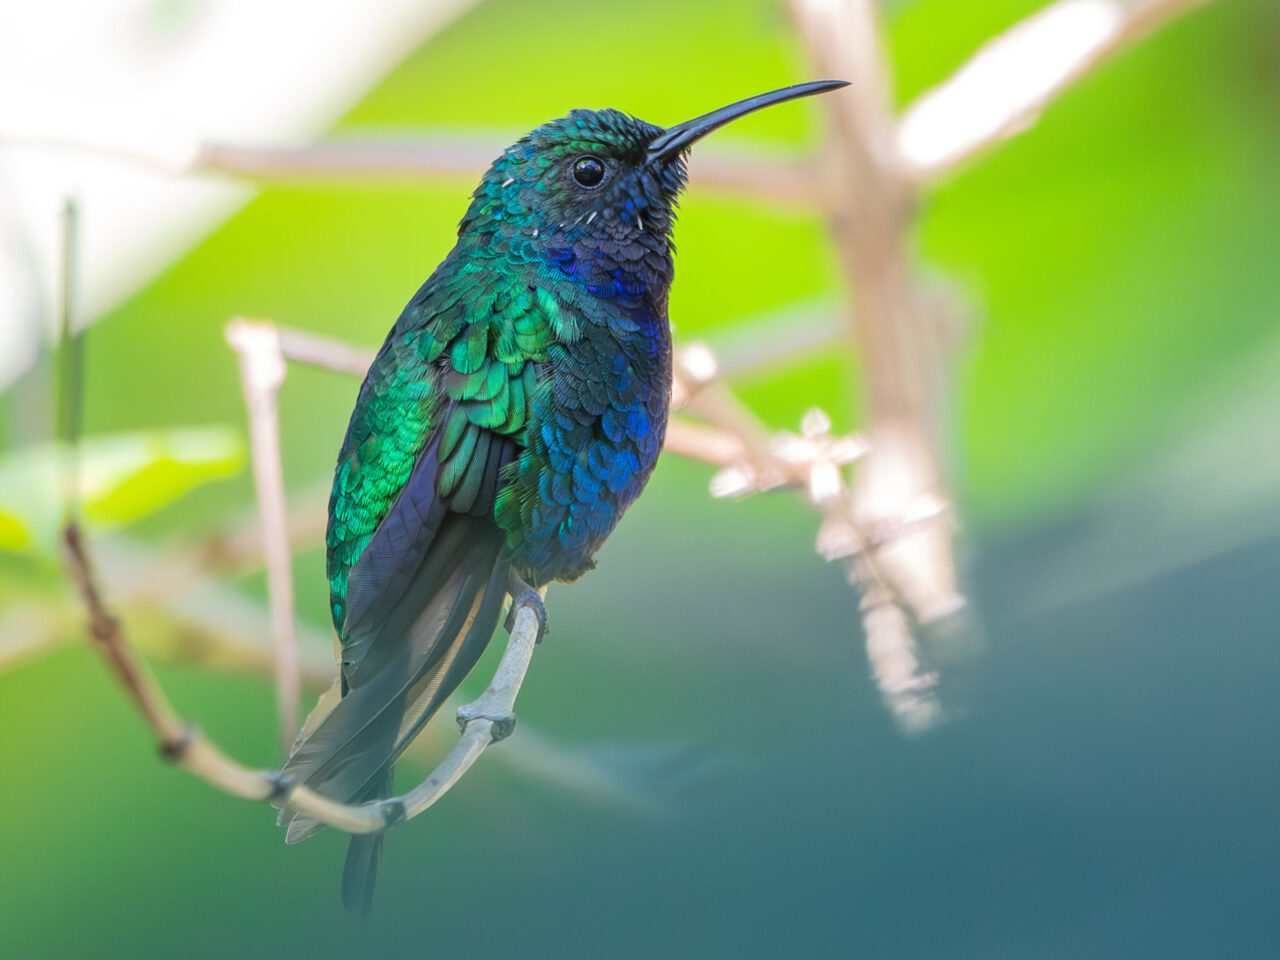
column 599, row 175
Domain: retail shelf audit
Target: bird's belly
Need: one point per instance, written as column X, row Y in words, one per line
column 590, row 468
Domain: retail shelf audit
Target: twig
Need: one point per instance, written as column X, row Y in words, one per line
column 1007, row 84
column 773, row 178
column 324, row 352
column 262, row 372
column 487, row 720
column 104, row 631
column 705, row 444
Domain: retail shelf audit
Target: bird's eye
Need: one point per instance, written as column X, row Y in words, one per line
column 588, row 171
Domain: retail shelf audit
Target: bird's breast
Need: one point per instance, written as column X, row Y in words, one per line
column 595, row 432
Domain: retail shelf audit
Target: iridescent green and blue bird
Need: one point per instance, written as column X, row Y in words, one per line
column 514, row 412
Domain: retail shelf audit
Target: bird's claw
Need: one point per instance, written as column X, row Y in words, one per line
column 503, row 723
column 281, row 786
column 523, row 595
column 393, row 812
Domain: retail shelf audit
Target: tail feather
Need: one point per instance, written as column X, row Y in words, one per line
column 360, row 871
column 414, row 653
column 359, row 736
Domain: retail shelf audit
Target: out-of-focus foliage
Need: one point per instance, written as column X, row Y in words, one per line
column 1104, row 795
column 121, row 479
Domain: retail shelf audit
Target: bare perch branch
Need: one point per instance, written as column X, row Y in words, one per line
column 487, row 720
column 1012, row 78
column 262, row 371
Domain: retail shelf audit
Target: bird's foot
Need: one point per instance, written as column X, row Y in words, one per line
column 523, row 595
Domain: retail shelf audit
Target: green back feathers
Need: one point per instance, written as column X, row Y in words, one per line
column 465, row 371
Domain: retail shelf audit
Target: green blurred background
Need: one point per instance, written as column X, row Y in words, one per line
column 735, row 788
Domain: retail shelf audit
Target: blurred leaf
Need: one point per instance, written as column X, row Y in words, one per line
column 128, row 477
column 14, row 534
column 123, row 478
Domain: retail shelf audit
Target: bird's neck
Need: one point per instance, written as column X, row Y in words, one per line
column 612, row 265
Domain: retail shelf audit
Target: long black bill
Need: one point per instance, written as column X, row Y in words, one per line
column 684, row 135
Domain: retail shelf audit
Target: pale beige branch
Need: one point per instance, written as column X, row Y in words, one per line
column 705, row 444
column 1007, row 84
column 905, row 360
column 697, row 385
column 774, row 178
column 323, row 352
column 262, row 372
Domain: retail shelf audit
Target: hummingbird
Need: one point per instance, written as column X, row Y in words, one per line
column 515, row 410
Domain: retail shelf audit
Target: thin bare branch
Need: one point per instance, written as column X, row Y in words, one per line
column 1007, row 84
column 774, row 178
column 324, row 352
column 262, row 371
column 487, row 720
column 705, row 444
column 491, row 716
column 104, row 631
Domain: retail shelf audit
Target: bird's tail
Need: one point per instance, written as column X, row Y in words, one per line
column 364, row 851
column 414, row 648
